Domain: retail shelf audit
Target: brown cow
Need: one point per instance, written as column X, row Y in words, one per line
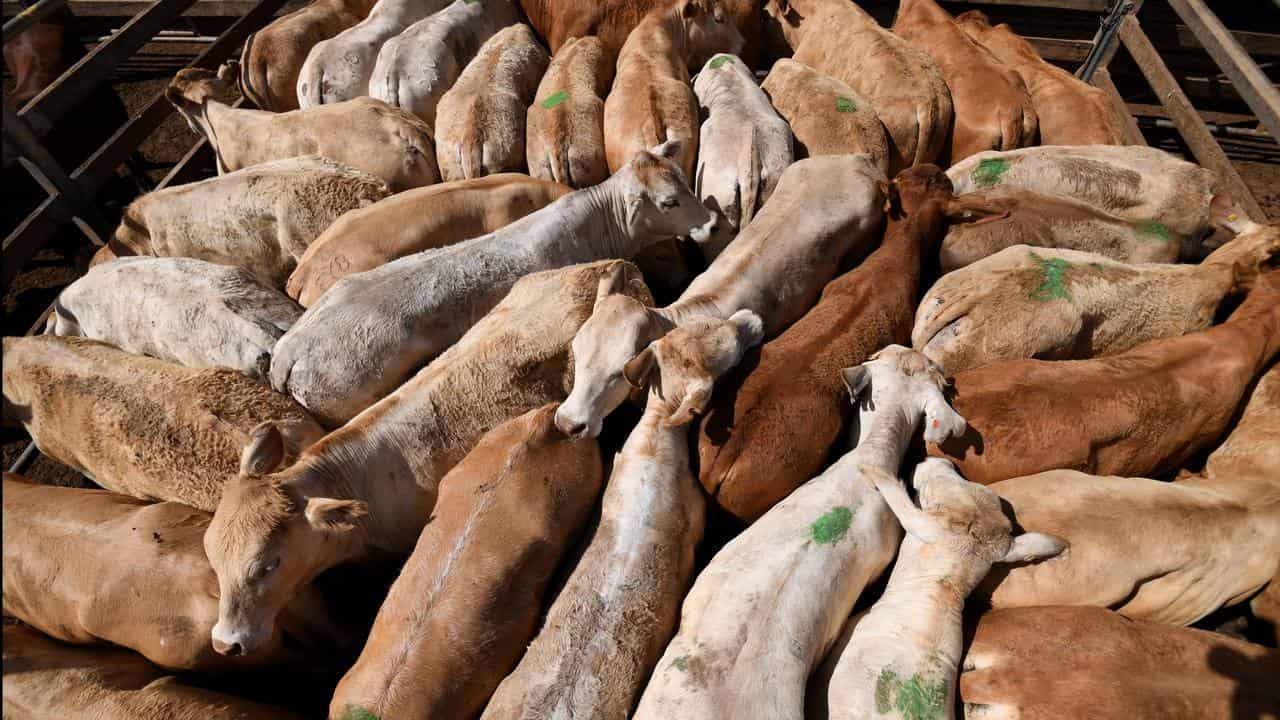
column 559, row 21
column 272, row 57
column 826, row 116
column 771, row 426
column 413, row 221
column 1070, row 111
column 1045, row 663
column 838, row 38
column 369, row 487
column 46, row 680
column 565, row 125
column 141, row 426
column 1139, row 413
column 992, row 108
column 470, row 595
column 652, row 100
column 64, row 575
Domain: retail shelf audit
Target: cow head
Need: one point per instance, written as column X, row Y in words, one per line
column 901, row 378
column 964, row 517
column 917, row 186
column 707, row 31
column 784, row 20
column 192, row 90
column 658, row 204
column 268, row 539
column 682, row 367
column 619, row 328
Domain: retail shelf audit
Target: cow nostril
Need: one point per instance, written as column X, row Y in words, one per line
column 235, row 650
column 577, row 430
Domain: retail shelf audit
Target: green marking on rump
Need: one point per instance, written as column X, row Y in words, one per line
column 1153, row 230
column 1052, row 271
column 718, row 61
column 681, row 663
column 555, row 100
column 828, row 529
column 990, row 171
column 355, row 712
column 913, row 698
column 845, row 105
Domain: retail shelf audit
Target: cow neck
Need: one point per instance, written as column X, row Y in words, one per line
column 1256, row 323
column 207, row 122
column 883, row 432
column 917, row 234
column 653, row 439
column 1249, row 250
column 604, row 203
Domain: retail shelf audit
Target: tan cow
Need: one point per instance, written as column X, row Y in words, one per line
column 1147, row 185
column 1000, row 308
column 993, row 110
column 186, row 311
column 651, row 101
column 762, row 614
column 272, row 58
column 823, row 209
column 46, row 680
column 407, row 312
column 565, row 124
column 1123, row 669
column 987, row 220
column 1142, row 412
column 826, row 115
column 413, row 221
column 340, row 68
column 480, row 122
column 1070, row 111
column 90, row 566
column 743, row 147
column 772, row 428
column 140, row 426
column 905, row 651
column 369, row 487
column 839, row 39
column 469, row 597
column 261, row 218
column 364, row 133
column 1169, row 552
column 618, row 608
column 560, row 21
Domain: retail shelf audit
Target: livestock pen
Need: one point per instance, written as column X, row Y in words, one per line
column 1193, row 77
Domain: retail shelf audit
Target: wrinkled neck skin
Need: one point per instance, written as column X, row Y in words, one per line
column 881, row 435
column 209, row 116
column 605, row 206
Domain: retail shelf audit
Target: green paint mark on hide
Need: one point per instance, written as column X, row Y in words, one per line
column 555, row 100
column 1053, row 271
column 718, row 61
column 681, row 663
column 845, row 105
column 828, row 529
column 355, row 712
column 1152, row 231
column 989, row 172
column 913, row 698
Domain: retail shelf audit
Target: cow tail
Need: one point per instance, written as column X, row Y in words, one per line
column 749, row 179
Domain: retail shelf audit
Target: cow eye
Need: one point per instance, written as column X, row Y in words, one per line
column 668, row 203
column 269, row 568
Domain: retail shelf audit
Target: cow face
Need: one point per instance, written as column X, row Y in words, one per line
column 619, row 328
column 191, row 90
column 659, row 203
column 900, row 377
column 783, row 21
column 708, row 31
column 683, row 366
column 267, row 540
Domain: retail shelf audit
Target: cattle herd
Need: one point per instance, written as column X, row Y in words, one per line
column 915, row 442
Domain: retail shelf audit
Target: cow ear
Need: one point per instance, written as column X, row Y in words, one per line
column 637, row 370
column 689, row 8
column 1224, row 213
column 855, row 379
column 331, row 514
column 669, row 149
column 693, row 404
column 750, row 328
column 612, row 283
column 264, row 453
column 1033, row 546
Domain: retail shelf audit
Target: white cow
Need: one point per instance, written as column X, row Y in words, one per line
column 743, row 147
column 373, row 329
column 417, row 67
column 191, row 312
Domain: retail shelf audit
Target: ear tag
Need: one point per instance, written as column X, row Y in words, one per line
column 1232, row 217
